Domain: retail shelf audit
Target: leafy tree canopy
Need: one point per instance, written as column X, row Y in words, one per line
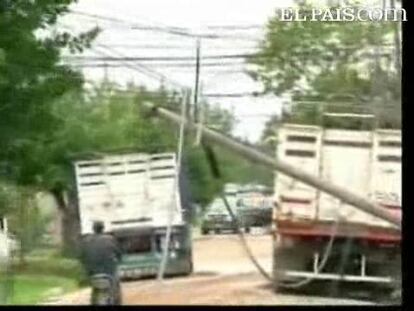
column 331, row 62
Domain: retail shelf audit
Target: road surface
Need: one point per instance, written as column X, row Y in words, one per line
column 223, row 275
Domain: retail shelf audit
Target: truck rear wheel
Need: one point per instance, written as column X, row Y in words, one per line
column 189, row 268
column 204, row 231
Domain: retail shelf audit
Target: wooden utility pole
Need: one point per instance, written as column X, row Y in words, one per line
column 326, row 186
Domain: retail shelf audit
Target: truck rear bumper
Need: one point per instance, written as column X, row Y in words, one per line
column 296, row 259
column 361, row 277
column 331, row 276
column 211, row 225
column 135, row 273
column 175, row 266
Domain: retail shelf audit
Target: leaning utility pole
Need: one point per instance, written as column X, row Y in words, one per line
column 339, row 192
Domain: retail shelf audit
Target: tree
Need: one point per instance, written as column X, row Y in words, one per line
column 268, row 140
column 315, row 60
column 31, row 80
column 30, row 76
column 105, row 121
column 47, row 118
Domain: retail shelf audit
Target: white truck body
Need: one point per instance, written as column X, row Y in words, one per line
column 366, row 162
column 128, row 191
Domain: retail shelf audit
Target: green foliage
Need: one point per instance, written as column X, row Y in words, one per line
column 7, row 198
column 110, row 120
column 32, row 289
column 30, row 77
column 48, row 119
column 316, row 60
column 25, row 220
column 219, row 119
column 291, row 52
column 203, row 185
column 236, row 169
column 52, row 265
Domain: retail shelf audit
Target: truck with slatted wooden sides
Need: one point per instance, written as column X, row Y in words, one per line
column 317, row 237
column 137, row 195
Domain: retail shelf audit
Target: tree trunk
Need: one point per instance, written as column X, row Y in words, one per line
column 69, row 221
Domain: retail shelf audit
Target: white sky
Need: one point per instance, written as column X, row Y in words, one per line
column 195, row 15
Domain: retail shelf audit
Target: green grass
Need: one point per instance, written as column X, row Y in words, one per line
column 45, row 274
column 32, row 289
column 51, row 263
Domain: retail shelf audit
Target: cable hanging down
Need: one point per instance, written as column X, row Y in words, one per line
column 262, row 271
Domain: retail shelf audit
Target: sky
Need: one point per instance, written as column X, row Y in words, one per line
column 119, row 38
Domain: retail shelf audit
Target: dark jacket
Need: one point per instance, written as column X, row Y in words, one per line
column 100, row 253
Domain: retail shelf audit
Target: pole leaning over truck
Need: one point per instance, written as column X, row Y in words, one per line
column 339, row 192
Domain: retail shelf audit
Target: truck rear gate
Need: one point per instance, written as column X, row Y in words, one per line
column 133, row 195
column 367, row 162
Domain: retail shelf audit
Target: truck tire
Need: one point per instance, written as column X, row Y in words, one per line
column 204, row 231
column 247, row 230
column 189, row 268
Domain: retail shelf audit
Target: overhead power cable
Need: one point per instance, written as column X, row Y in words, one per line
column 148, row 71
column 151, row 46
column 184, row 32
column 224, row 66
column 187, row 58
column 123, row 21
column 170, row 30
column 247, row 94
column 170, row 58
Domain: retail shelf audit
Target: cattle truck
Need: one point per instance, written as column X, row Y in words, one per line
column 364, row 249
column 137, row 196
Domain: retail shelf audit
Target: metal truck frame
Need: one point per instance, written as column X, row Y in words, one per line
column 132, row 193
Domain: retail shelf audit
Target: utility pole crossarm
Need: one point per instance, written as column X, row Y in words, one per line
column 328, row 187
